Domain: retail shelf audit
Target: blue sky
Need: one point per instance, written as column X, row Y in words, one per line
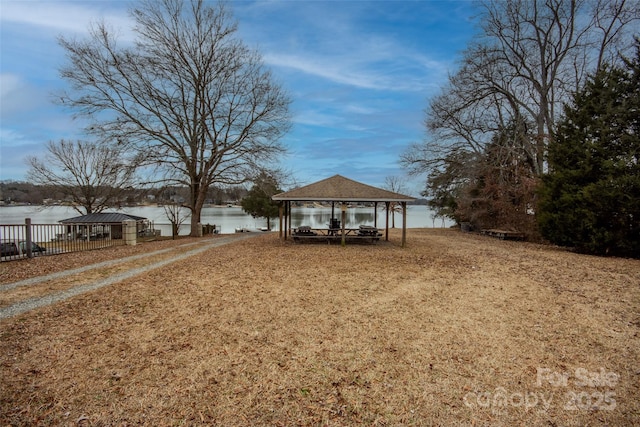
column 360, row 74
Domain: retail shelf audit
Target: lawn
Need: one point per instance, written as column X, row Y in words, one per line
column 454, row 329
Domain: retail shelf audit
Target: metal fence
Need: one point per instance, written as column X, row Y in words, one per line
column 28, row 240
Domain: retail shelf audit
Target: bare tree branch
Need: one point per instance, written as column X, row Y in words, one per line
column 189, row 95
column 94, row 176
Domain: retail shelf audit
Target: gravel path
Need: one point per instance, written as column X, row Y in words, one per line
column 37, row 302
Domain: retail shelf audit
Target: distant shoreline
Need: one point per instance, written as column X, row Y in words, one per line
column 228, row 218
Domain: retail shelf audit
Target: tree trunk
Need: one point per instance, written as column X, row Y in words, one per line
column 195, row 221
column 198, row 195
column 541, row 145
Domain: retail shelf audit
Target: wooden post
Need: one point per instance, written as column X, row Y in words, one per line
column 386, row 232
column 280, row 213
column 289, row 230
column 344, row 219
column 404, row 223
column 375, row 214
column 287, row 206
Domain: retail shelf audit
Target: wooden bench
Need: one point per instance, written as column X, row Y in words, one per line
column 503, row 234
column 304, row 231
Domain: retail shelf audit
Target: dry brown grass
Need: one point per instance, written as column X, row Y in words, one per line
column 49, row 286
column 265, row 333
column 12, row 271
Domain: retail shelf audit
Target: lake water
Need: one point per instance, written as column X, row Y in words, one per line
column 227, row 219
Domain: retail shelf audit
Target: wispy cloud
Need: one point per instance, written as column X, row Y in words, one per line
column 18, row 96
column 360, row 73
column 66, row 17
column 324, row 68
column 365, row 75
column 343, row 43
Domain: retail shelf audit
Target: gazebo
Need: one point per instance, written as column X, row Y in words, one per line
column 81, row 225
column 338, row 189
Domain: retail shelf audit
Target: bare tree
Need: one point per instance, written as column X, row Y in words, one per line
column 94, row 176
column 529, row 57
column 175, row 215
column 189, row 94
column 397, row 185
column 611, row 19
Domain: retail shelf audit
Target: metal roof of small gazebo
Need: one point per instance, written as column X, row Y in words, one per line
column 102, row 218
column 340, row 189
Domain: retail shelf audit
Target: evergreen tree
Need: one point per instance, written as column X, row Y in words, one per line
column 590, row 200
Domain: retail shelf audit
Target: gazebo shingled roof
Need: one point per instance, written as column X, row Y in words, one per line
column 340, row 189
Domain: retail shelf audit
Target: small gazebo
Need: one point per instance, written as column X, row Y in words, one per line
column 95, row 222
column 338, row 189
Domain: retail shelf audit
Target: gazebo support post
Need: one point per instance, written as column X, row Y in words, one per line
column 375, row 214
column 386, row 227
column 284, row 221
column 404, row 223
column 280, row 215
column 287, row 219
column 344, row 219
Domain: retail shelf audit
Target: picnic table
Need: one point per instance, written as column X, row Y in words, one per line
column 363, row 232
column 367, row 230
